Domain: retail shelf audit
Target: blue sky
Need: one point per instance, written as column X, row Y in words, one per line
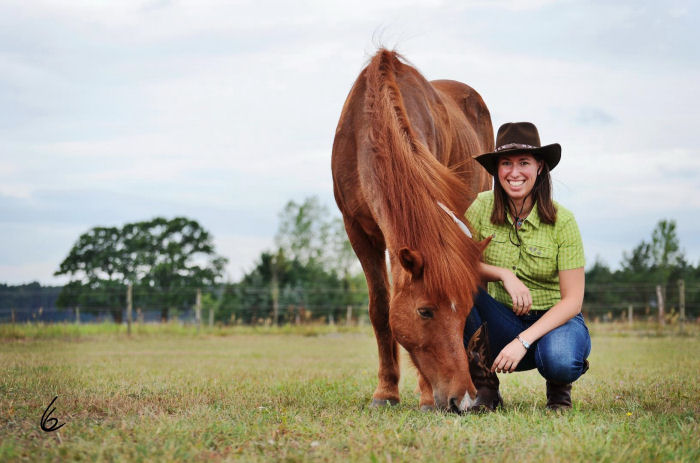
column 223, row 111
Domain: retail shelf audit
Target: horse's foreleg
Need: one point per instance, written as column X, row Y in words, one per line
column 374, row 266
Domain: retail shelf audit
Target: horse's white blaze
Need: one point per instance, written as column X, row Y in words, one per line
column 454, row 307
column 466, row 403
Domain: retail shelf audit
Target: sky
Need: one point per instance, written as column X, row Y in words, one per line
column 114, row 112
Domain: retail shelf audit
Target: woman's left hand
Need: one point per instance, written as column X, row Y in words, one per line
column 509, row 357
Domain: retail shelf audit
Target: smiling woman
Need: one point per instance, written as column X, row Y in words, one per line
column 534, row 265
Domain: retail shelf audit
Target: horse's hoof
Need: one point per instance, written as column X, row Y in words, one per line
column 377, row 403
column 427, row 408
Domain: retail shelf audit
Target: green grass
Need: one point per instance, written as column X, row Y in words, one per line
column 290, row 394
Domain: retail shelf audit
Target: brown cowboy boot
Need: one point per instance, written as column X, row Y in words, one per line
column 486, row 382
column 559, row 395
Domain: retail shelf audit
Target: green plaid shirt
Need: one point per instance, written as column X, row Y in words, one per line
column 545, row 250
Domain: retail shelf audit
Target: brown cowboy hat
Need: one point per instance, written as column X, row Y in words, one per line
column 519, row 137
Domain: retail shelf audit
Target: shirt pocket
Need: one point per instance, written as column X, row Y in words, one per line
column 542, row 262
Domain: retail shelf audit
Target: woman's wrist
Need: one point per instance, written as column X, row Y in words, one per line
column 506, row 274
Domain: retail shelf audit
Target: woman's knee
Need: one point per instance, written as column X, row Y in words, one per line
column 561, row 353
column 561, row 368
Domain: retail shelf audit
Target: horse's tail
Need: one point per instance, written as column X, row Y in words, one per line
column 411, row 181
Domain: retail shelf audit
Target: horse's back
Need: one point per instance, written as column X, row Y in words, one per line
column 475, row 110
column 448, row 117
column 473, row 130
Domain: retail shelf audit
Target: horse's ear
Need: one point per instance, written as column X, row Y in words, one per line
column 483, row 243
column 412, row 261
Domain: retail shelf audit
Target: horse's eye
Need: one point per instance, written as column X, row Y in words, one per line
column 425, row 312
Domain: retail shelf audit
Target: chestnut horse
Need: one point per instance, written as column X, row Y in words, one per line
column 402, row 147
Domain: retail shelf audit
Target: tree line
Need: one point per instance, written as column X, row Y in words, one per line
column 311, row 271
column 658, row 261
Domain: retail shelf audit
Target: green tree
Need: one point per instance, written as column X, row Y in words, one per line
column 165, row 260
column 659, row 261
column 96, row 265
column 313, row 270
column 174, row 258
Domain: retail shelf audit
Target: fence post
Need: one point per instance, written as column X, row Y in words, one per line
column 275, row 295
column 198, row 309
column 129, row 304
column 681, row 301
column 12, row 311
column 211, row 316
column 348, row 315
column 660, row 303
column 630, row 314
column 77, row 314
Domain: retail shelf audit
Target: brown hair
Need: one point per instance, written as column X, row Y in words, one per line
column 541, row 195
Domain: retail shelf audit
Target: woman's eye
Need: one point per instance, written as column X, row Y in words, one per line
column 425, row 312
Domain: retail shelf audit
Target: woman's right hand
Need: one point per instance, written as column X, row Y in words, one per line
column 519, row 293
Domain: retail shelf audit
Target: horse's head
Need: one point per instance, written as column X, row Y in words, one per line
column 430, row 327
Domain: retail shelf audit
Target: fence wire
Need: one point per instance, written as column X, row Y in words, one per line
column 256, row 305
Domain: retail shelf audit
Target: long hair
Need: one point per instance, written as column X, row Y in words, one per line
column 409, row 182
column 541, row 195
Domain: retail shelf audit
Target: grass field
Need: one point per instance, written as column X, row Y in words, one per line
column 169, row 394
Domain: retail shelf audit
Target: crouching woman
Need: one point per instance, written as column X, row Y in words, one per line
column 535, row 268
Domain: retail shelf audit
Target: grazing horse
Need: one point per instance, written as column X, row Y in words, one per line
column 402, row 161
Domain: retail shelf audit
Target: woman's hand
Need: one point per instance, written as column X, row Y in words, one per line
column 519, row 293
column 509, row 357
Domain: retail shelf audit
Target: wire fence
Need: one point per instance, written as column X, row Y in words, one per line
column 261, row 305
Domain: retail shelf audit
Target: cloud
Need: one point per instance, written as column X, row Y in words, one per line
column 221, row 111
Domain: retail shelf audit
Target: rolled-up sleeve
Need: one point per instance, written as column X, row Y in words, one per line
column 570, row 245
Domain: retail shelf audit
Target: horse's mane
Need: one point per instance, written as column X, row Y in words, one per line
column 410, row 181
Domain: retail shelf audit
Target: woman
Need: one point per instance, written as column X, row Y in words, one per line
column 535, row 268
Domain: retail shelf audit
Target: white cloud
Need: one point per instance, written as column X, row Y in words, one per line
column 226, row 110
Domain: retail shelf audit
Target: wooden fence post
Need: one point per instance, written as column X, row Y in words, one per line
column 129, row 305
column 198, row 309
column 681, row 298
column 660, row 303
column 681, row 302
column 211, row 316
column 77, row 314
column 275, row 295
column 12, row 312
column 630, row 314
column 348, row 315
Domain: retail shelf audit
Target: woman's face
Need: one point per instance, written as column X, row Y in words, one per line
column 517, row 174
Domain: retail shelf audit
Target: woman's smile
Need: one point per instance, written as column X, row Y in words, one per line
column 517, row 174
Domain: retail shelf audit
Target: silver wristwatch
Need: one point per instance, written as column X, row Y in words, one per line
column 525, row 344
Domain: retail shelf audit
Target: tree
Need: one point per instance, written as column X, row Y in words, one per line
column 95, row 264
column 658, row 261
column 661, row 253
column 304, row 232
column 165, row 260
column 311, row 270
column 173, row 259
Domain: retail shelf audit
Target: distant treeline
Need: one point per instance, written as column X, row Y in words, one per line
column 30, row 296
column 312, row 273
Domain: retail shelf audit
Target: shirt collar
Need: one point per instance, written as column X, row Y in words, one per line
column 533, row 218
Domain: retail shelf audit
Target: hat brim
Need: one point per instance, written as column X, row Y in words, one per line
column 550, row 154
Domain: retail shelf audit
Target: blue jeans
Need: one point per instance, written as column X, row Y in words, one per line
column 558, row 355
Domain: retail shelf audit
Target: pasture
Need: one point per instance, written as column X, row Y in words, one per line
column 168, row 393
